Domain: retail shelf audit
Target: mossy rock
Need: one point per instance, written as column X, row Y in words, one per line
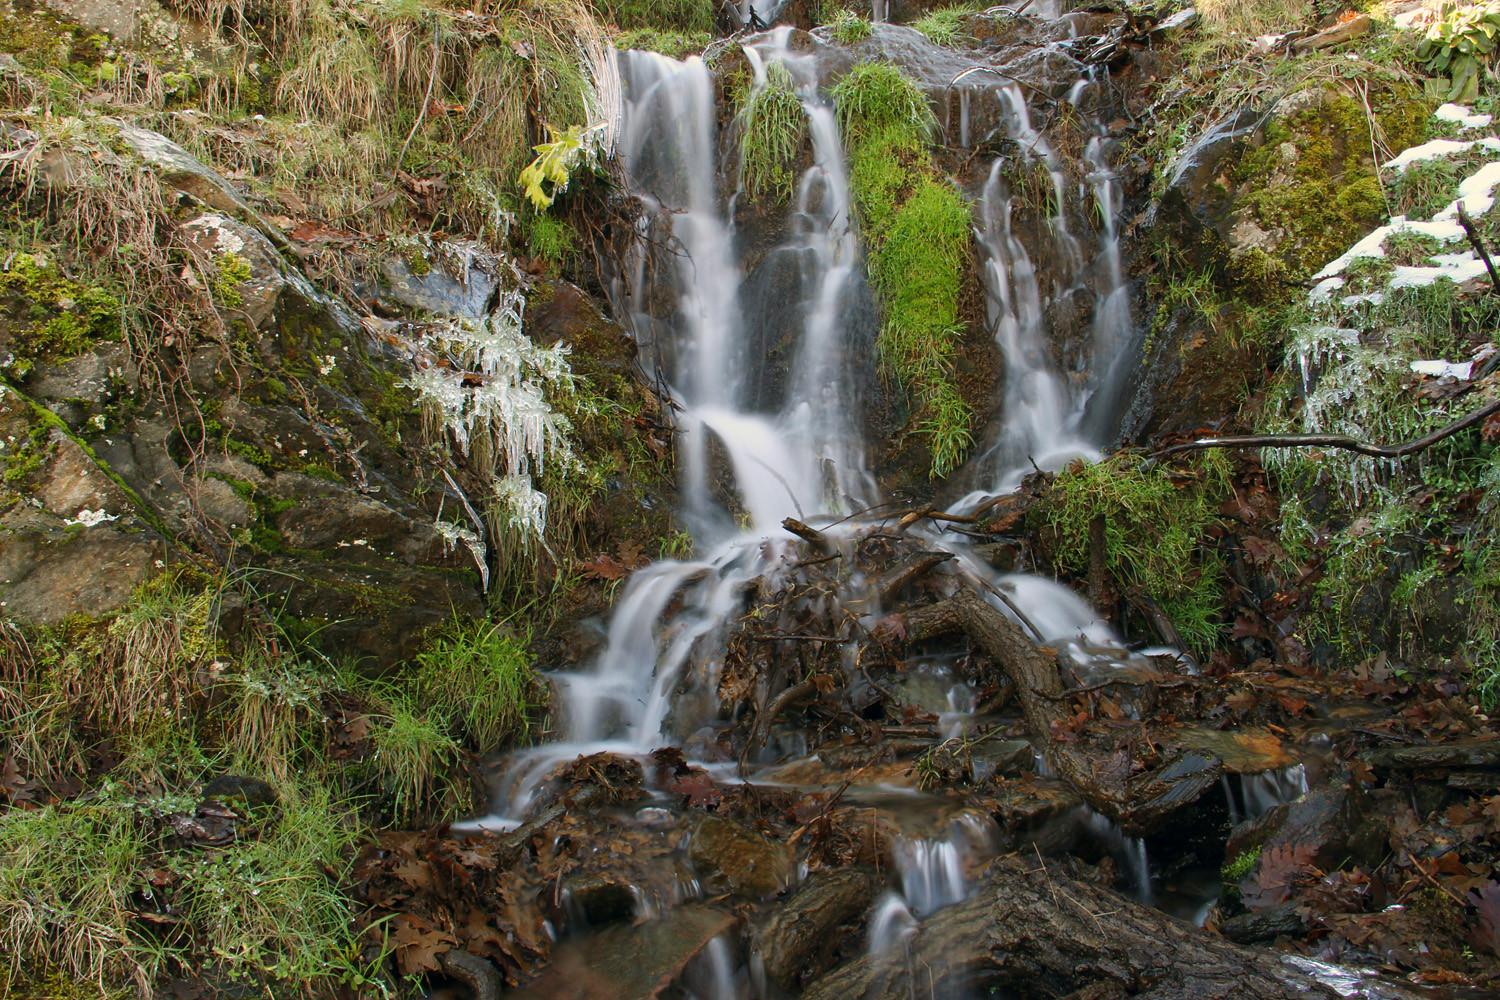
column 1312, row 185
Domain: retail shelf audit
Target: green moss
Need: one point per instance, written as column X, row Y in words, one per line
column 233, row 272
column 549, row 237
column 672, row 44
column 1154, row 529
column 1315, row 180
column 917, row 233
column 774, row 128
column 65, row 317
column 1235, row 870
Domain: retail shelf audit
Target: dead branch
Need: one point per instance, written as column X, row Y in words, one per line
column 1465, row 220
column 810, row 535
column 908, row 571
column 1337, row 440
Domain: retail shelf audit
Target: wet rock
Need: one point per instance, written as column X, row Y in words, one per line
column 71, row 482
column 801, row 927
column 460, row 281
column 1178, row 784
column 1200, row 194
column 1023, row 803
column 1253, row 833
column 1008, row 757
column 340, row 518
column 378, row 612
column 1242, row 752
column 600, row 897
column 1263, row 925
column 241, row 792
column 1331, row 822
column 746, row 862
column 1468, row 754
column 630, row 963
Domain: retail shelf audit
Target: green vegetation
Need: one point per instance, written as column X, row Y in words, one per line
column 848, row 28
column 1155, row 522
column 1250, row 18
column 947, row 26
column 66, row 316
column 1236, row 870
column 1461, row 46
column 681, row 16
column 148, row 706
column 774, row 127
column 1331, row 195
column 917, row 234
column 672, row 44
column 479, row 679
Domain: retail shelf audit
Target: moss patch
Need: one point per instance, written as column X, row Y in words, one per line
column 917, row 234
column 1315, row 180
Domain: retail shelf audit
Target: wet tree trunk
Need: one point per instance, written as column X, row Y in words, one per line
column 1040, row 933
column 1140, row 804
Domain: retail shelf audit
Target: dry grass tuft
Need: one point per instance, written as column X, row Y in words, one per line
column 1253, row 18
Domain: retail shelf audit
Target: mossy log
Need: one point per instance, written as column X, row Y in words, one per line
column 1037, row 932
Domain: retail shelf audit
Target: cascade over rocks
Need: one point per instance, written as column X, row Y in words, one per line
column 925, row 697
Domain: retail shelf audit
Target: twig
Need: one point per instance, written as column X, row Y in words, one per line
column 437, row 50
column 1151, row 682
column 1337, row 440
column 1465, row 220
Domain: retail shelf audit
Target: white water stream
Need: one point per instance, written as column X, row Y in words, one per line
column 746, row 464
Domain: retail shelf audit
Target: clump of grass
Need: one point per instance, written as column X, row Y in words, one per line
column 1154, row 528
column 774, row 129
column 948, row 27
column 67, row 877
column 686, row 16
column 672, row 44
column 848, row 28
column 918, row 268
column 874, row 96
column 1255, row 17
column 481, row 678
column 415, row 755
column 75, row 879
column 917, row 231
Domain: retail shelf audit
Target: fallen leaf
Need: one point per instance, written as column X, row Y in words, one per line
column 418, row 944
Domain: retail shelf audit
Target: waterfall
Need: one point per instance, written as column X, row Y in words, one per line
column 753, row 449
column 1048, row 418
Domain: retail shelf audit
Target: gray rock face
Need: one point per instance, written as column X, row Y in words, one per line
column 217, row 239
column 49, row 571
column 460, row 282
column 178, row 168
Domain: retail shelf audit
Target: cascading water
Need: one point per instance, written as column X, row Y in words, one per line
column 752, row 455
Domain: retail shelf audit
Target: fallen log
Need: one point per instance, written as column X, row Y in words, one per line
column 1036, row 932
column 801, row 927
column 907, row 572
column 1140, row 804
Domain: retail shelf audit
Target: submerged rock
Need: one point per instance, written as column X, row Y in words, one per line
column 630, row 963
column 746, row 862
